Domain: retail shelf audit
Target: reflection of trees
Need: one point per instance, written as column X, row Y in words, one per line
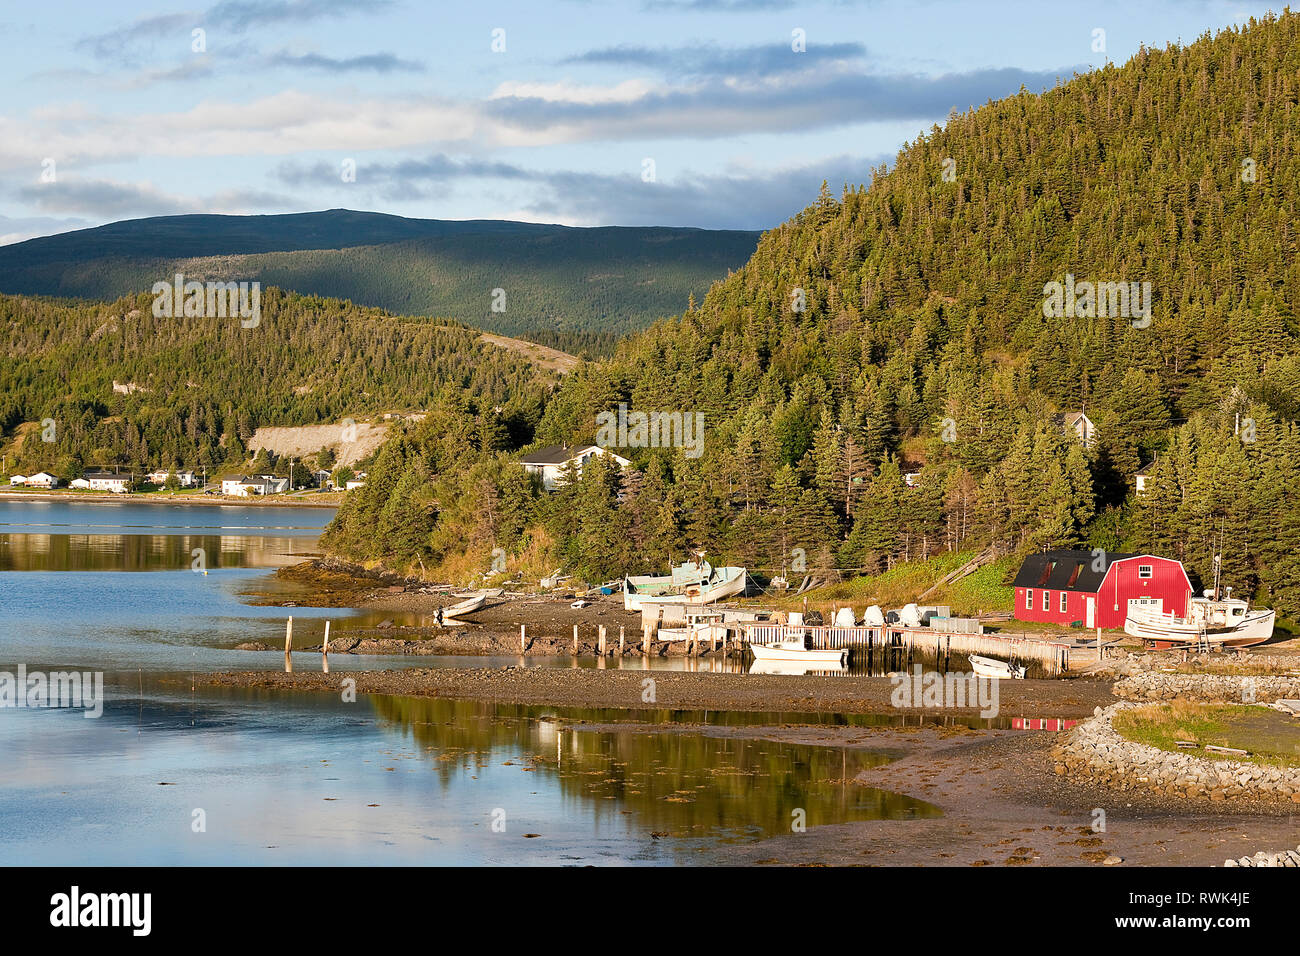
column 140, row 552
column 682, row 783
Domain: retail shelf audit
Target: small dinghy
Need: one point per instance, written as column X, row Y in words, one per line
column 798, row 650
column 468, row 606
column 988, row 667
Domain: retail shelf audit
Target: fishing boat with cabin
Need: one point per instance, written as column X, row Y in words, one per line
column 693, row 582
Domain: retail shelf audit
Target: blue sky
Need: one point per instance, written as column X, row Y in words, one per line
column 112, row 113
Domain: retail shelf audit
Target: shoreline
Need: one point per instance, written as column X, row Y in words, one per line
column 617, row 689
column 160, row 499
column 1002, row 802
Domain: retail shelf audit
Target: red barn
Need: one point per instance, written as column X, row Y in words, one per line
column 1095, row 588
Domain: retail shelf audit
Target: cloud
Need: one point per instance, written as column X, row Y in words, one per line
column 707, row 59
column 104, row 199
column 234, row 16
column 717, row 107
column 29, row 227
column 371, row 62
column 737, row 198
column 117, row 43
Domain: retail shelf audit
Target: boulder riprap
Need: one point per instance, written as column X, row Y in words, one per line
column 1095, row 749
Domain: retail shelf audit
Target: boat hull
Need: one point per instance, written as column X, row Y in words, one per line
column 1173, row 632
column 999, row 670
column 635, row 598
column 811, row 658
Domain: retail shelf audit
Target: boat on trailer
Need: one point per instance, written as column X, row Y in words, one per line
column 999, row 670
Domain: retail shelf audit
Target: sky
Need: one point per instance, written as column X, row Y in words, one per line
column 708, row 113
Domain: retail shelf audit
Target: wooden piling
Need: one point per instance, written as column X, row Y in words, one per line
column 620, row 640
column 288, row 646
column 645, row 639
column 600, row 640
column 523, row 638
column 325, row 650
column 575, row 640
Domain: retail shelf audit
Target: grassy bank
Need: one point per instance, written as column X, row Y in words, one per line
column 985, row 591
column 1269, row 737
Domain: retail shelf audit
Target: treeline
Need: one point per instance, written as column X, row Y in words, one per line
column 101, row 385
column 900, row 330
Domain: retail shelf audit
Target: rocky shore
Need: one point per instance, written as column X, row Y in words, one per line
column 1207, row 688
column 1290, row 858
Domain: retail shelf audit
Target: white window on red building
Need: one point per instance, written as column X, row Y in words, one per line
column 1047, row 600
column 1064, row 604
column 1029, row 599
column 1144, row 570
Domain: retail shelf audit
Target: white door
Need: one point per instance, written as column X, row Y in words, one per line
column 1092, row 611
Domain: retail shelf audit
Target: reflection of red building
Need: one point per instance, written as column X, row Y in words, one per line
column 1095, row 588
column 1041, row 723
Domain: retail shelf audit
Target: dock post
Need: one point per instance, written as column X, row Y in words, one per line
column 620, row 640
column 645, row 639
column 325, row 651
column 601, row 639
column 523, row 638
column 288, row 646
column 575, row 640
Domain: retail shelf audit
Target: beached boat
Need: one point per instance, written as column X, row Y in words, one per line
column 1001, row 670
column 695, row 582
column 797, row 649
column 1230, row 622
column 469, row 605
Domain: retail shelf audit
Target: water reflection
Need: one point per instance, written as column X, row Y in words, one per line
column 677, row 783
column 305, row 779
column 146, row 552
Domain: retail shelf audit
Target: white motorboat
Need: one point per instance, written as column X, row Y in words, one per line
column 797, row 649
column 1001, row 670
column 795, row 668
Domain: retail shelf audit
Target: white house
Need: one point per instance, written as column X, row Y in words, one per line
column 105, row 481
column 17, row 479
column 81, row 483
column 1143, row 478
column 244, row 486
column 1081, row 425
column 186, row 479
column 552, row 461
column 354, row 483
column 42, row 479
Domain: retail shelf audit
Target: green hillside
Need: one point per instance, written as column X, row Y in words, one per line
column 923, row 346
column 190, row 392
column 566, row 287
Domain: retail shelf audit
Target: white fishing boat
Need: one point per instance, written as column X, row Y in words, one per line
column 1226, row 621
column 695, row 582
column 797, row 650
column 1001, row 670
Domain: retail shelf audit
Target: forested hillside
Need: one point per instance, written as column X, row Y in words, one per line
column 191, row 391
column 570, row 288
column 901, row 328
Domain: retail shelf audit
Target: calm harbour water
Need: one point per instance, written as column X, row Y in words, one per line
column 287, row 778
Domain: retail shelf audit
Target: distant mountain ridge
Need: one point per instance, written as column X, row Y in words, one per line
column 564, row 285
